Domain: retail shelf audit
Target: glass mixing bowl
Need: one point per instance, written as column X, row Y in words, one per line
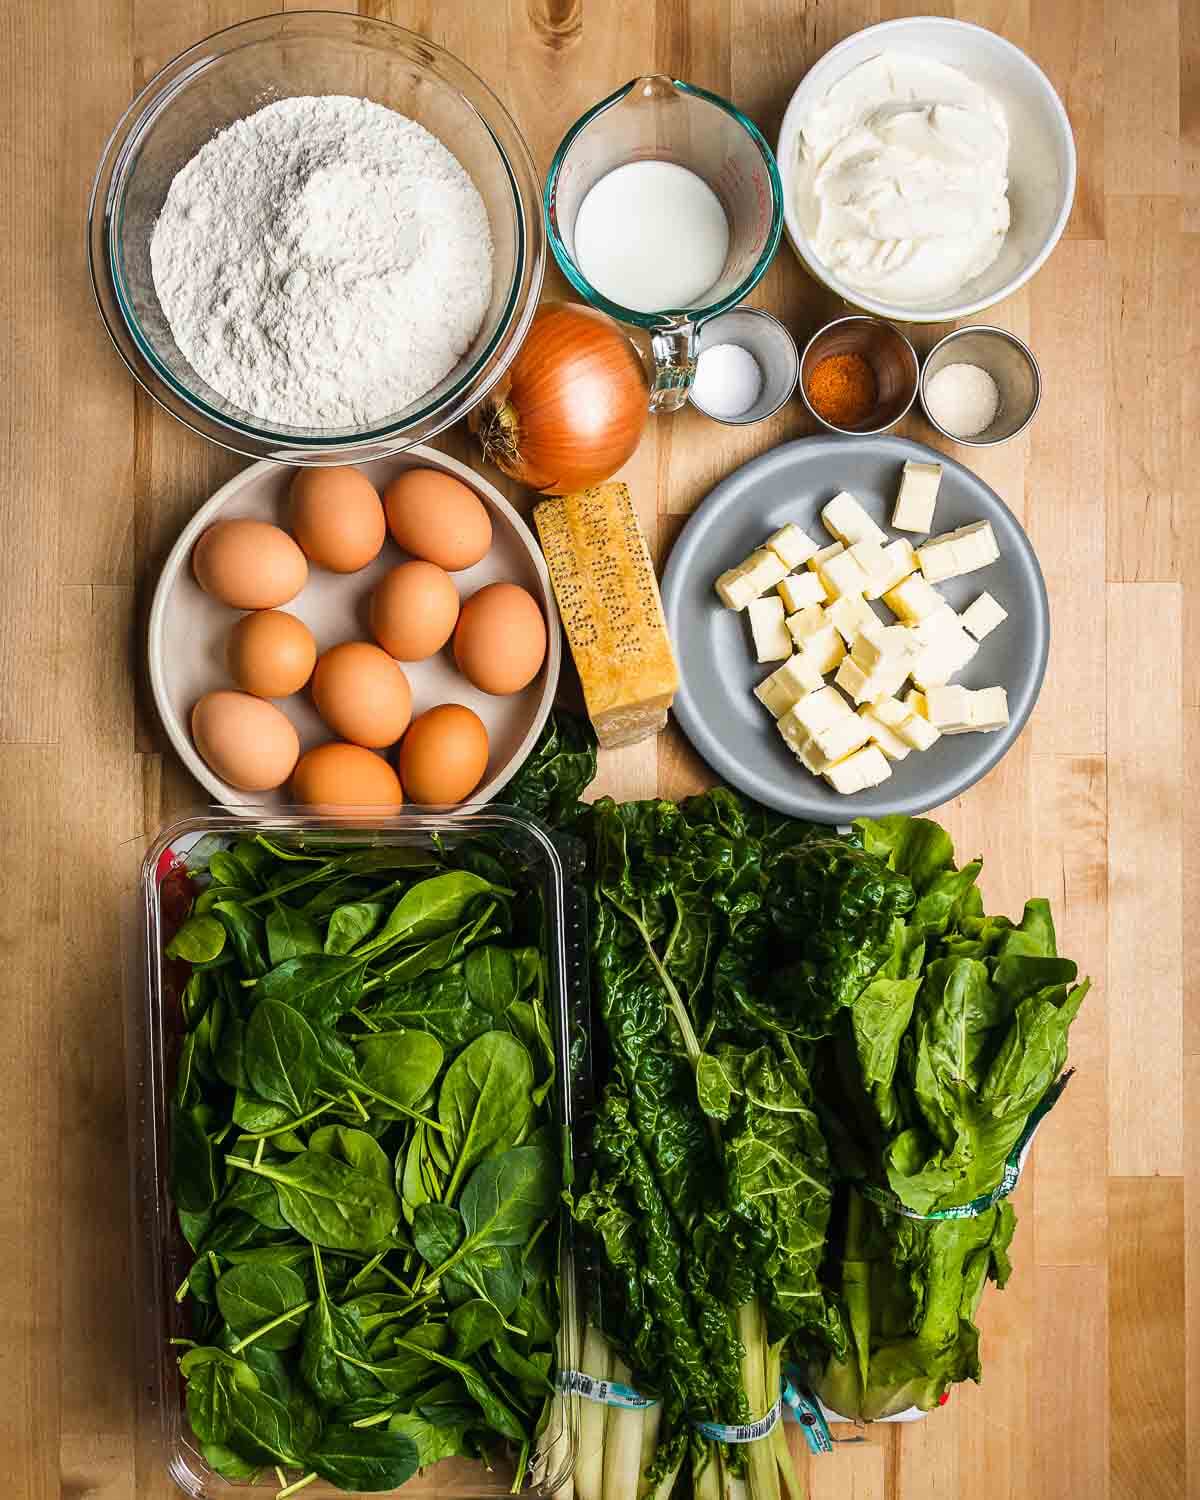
column 235, row 72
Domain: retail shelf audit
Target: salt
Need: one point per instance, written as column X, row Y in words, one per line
column 728, row 381
column 962, row 399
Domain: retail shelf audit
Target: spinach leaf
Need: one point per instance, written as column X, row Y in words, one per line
column 228, row 1464
column 352, row 924
column 559, row 770
column 334, row 1205
column 368, row 1459
column 290, row 934
column 485, row 1101
column 438, row 1003
column 330, row 1332
column 251, row 1295
column 433, row 1441
column 400, row 1066
column 281, row 1055
column 192, row 1181
column 320, row 986
column 245, row 933
column 474, row 1324
column 254, row 1196
column 493, row 980
column 428, row 909
column 500, row 1417
column 355, row 1147
column 437, row 1231
column 198, row 941
column 229, row 1058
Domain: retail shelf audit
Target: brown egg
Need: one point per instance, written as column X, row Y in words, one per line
column 500, row 639
column 436, row 517
column 444, row 755
column 362, row 694
column 270, row 653
column 247, row 742
column 413, row 610
column 337, row 517
column 249, row 564
column 338, row 775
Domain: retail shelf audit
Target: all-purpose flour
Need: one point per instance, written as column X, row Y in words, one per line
column 323, row 262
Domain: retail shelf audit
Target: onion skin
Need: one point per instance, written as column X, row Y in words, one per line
column 572, row 406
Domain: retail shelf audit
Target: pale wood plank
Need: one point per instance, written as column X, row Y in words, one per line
column 1189, row 115
column 31, row 502
column 1141, row 389
column 1191, row 1240
column 95, row 395
column 930, row 1466
column 1144, row 877
column 1071, row 870
column 1065, row 505
column 99, row 820
column 1146, row 1359
column 30, row 1316
column 1141, row 97
column 1070, row 1359
column 855, row 1470
column 1062, row 42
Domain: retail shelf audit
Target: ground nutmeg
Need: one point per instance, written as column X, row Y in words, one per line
column 842, row 389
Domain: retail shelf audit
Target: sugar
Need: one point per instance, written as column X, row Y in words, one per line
column 963, row 399
column 728, row 381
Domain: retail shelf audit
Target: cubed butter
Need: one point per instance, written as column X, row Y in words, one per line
column 771, row 639
column 913, row 599
column 957, row 552
column 843, row 574
column 983, row 615
column 884, row 736
column 800, row 590
column 891, row 712
column 897, row 562
column 852, row 679
column 792, row 545
column 859, row 772
column 759, row 573
column 918, row 732
column 820, row 709
column 845, row 519
column 787, row 685
column 841, row 738
column 949, row 708
column 917, row 496
column 849, row 614
column 806, row 623
column 989, row 709
column 876, row 643
column 824, row 649
column 818, row 560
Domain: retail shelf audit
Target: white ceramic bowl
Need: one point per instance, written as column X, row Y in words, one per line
column 1041, row 167
column 188, row 629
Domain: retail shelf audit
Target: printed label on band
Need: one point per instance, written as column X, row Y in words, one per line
column 802, row 1409
column 606, row 1392
column 745, row 1432
column 1014, row 1165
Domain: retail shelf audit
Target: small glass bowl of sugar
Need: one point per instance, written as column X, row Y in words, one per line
column 980, row 386
column 747, row 366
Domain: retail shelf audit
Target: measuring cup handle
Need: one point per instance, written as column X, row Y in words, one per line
column 674, row 351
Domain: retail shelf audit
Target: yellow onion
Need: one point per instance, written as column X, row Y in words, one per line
column 571, row 407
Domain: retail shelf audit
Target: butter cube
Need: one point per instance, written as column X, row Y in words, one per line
column 897, row 562
column 918, row 732
column 812, row 759
column 941, row 624
column 845, row 519
column 878, row 643
column 808, row 622
column 841, row 738
column 852, row 679
column 824, row 650
column 913, row 599
column 800, row 590
column 820, row 709
column 989, row 709
column 787, row 685
column 771, row 639
column 795, row 735
column 888, row 711
column 885, row 737
column 917, row 701
column 791, row 545
column 949, row 709
column 849, row 614
column 859, row 772
column 843, row 574
column 983, row 615
column 942, row 659
column 917, row 497
column 818, row 560
column 886, row 679
column 760, row 572
column 957, row 552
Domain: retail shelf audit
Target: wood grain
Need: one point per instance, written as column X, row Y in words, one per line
column 1092, row 1355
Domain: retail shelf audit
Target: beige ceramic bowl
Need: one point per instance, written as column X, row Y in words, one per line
column 189, row 629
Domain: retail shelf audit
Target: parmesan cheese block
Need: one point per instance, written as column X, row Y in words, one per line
column 611, row 610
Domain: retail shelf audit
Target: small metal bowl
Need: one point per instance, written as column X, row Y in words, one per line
column 773, row 348
column 1011, row 365
column 886, row 350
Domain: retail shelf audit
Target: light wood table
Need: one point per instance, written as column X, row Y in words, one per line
column 1092, row 1355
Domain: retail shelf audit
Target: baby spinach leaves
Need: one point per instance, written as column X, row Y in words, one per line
column 365, row 1059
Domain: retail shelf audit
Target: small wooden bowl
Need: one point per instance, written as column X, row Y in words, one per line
column 886, row 350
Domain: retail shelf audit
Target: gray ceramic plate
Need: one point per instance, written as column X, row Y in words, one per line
column 716, row 707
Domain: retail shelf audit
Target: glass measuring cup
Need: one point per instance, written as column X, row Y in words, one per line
column 656, row 118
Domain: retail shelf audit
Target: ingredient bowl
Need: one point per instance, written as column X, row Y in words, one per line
column 1041, row 163
column 236, row 72
column 774, row 351
column 189, row 629
column 1010, row 363
column 893, row 362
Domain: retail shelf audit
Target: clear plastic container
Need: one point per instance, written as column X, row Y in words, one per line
column 160, row 1255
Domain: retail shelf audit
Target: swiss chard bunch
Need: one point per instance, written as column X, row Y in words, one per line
column 362, row 1160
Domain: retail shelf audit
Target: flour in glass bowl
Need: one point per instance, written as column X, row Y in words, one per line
column 323, row 262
